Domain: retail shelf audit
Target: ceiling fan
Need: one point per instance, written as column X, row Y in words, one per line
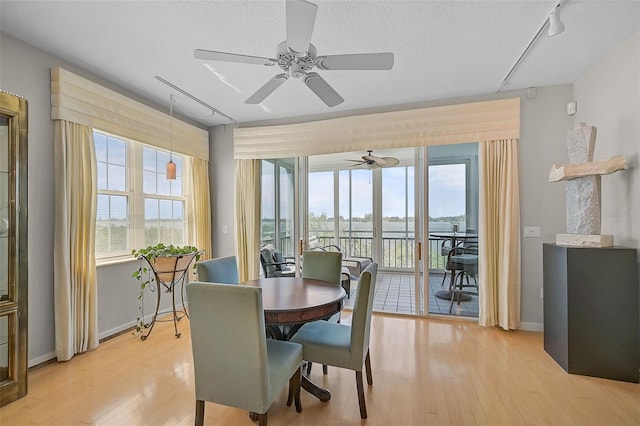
column 371, row 161
column 296, row 56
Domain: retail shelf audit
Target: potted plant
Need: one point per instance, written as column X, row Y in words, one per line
column 166, row 266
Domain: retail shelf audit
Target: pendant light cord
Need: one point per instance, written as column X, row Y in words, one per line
column 171, row 127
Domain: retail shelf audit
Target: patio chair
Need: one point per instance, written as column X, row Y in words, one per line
column 465, row 261
column 274, row 264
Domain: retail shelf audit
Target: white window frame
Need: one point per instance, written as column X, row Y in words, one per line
column 136, row 197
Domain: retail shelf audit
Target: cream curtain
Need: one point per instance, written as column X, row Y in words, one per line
column 499, row 234
column 201, row 206
column 75, row 289
column 248, row 195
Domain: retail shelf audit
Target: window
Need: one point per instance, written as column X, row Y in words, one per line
column 163, row 203
column 137, row 206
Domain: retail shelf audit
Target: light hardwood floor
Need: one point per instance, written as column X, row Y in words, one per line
column 425, row 372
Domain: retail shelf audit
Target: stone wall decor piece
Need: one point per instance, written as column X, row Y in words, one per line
column 583, row 197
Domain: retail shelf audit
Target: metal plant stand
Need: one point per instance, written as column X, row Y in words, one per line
column 169, row 272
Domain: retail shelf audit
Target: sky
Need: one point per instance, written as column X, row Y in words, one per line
column 446, row 192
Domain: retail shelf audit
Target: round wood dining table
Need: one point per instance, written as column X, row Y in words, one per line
column 290, row 302
column 295, row 300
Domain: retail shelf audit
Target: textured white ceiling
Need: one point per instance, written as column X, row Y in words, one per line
column 443, row 49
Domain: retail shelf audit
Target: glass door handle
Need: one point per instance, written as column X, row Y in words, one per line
column 419, row 250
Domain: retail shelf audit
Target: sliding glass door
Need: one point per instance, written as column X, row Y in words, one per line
column 453, row 190
column 370, row 212
column 278, row 205
column 395, row 215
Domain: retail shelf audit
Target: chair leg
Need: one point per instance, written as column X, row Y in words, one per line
column 453, row 288
column 199, row 413
column 294, row 390
column 325, row 369
column 361, row 401
column 367, row 366
column 309, row 365
column 262, row 419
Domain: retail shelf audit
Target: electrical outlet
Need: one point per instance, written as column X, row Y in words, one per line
column 531, row 231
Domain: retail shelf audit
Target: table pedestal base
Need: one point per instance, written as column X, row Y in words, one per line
column 322, row 394
column 446, row 295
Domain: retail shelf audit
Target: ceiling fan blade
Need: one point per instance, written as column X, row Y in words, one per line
column 356, row 61
column 212, row 55
column 321, row 88
column 301, row 18
column 390, row 162
column 267, row 89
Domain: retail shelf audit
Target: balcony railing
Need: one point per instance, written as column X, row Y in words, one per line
column 397, row 252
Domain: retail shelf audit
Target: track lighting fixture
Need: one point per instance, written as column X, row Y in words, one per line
column 555, row 24
column 555, row 27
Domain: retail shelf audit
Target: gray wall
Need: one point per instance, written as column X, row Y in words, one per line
column 608, row 97
column 222, row 176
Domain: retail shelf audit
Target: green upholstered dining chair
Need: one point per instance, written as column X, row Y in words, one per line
column 234, row 363
column 324, row 266
column 220, row 270
column 341, row 345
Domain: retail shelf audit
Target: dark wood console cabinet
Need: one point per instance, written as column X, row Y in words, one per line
column 591, row 321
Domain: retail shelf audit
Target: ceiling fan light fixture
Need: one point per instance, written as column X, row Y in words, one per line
column 556, row 26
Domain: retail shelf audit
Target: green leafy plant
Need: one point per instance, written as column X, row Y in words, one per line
column 144, row 274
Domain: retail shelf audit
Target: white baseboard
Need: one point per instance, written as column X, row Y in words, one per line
column 531, row 326
column 41, row 359
column 116, row 330
column 130, row 324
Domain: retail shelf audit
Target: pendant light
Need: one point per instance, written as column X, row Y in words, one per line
column 171, row 166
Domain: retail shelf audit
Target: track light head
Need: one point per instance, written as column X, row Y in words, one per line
column 555, row 24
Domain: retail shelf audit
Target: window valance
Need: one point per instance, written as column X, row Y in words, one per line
column 470, row 122
column 78, row 100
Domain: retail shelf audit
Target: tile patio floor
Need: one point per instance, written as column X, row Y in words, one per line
column 395, row 294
